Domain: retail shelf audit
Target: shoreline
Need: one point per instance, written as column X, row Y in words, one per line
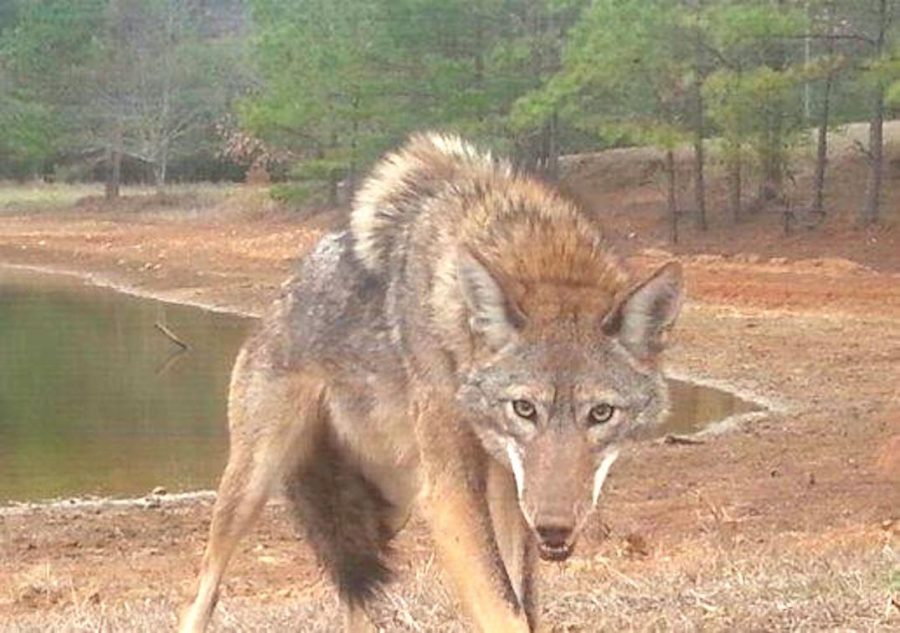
column 98, row 280
column 21, row 508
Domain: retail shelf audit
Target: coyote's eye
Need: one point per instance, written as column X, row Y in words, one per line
column 524, row 409
column 601, row 413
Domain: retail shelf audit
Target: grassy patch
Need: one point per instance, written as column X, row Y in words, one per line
column 36, row 197
column 40, row 196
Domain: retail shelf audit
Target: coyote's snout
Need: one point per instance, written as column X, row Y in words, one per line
column 470, row 343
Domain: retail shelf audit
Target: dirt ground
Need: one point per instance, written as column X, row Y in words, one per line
column 788, row 522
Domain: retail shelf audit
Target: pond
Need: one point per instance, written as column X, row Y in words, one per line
column 96, row 400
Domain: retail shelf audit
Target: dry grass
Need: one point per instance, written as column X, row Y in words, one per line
column 765, row 591
column 38, row 196
column 853, row 138
column 836, row 584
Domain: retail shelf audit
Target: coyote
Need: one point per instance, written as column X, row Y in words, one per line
column 469, row 344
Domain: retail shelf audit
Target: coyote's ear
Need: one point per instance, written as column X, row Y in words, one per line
column 492, row 315
column 640, row 320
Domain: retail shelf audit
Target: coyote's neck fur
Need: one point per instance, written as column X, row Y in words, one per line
column 443, row 194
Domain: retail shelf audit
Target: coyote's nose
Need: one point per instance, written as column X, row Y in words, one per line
column 555, row 536
column 553, row 541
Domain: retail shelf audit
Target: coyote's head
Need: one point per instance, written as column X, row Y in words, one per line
column 551, row 396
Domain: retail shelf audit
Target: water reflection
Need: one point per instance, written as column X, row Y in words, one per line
column 696, row 406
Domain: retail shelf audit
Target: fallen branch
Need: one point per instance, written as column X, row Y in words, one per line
column 171, row 335
column 682, row 439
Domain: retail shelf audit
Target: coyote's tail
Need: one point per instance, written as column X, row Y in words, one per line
column 403, row 183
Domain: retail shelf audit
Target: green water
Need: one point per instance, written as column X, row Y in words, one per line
column 95, row 400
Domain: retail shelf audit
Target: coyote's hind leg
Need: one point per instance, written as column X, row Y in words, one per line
column 271, row 417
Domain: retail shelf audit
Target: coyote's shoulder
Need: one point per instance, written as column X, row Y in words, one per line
column 440, row 198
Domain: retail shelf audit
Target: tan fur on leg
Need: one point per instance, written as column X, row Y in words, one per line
column 513, row 537
column 258, row 455
column 460, row 520
column 472, row 562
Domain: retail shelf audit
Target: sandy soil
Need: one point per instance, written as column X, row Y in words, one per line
column 789, row 522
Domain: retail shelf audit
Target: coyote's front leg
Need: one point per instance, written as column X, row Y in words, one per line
column 456, row 508
column 517, row 547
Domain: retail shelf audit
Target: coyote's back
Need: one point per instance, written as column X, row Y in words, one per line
column 470, row 344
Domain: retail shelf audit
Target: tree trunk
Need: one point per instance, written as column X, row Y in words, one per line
column 699, row 122
column 114, row 183
column 334, row 178
column 735, row 167
column 699, row 183
column 671, row 200
column 160, row 170
column 114, row 150
column 333, row 187
column 114, row 164
column 872, row 209
column 350, row 181
column 107, row 171
column 550, row 149
column 478, row 79
column 817, row 207
column 773, row 152
column 772, row 186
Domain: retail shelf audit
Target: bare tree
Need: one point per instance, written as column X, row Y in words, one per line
column 872, row 209
column 698, row 122
column 181, row 81
column 669, row 168
column 817, row 207
column 154, row 81
column 108, row 91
